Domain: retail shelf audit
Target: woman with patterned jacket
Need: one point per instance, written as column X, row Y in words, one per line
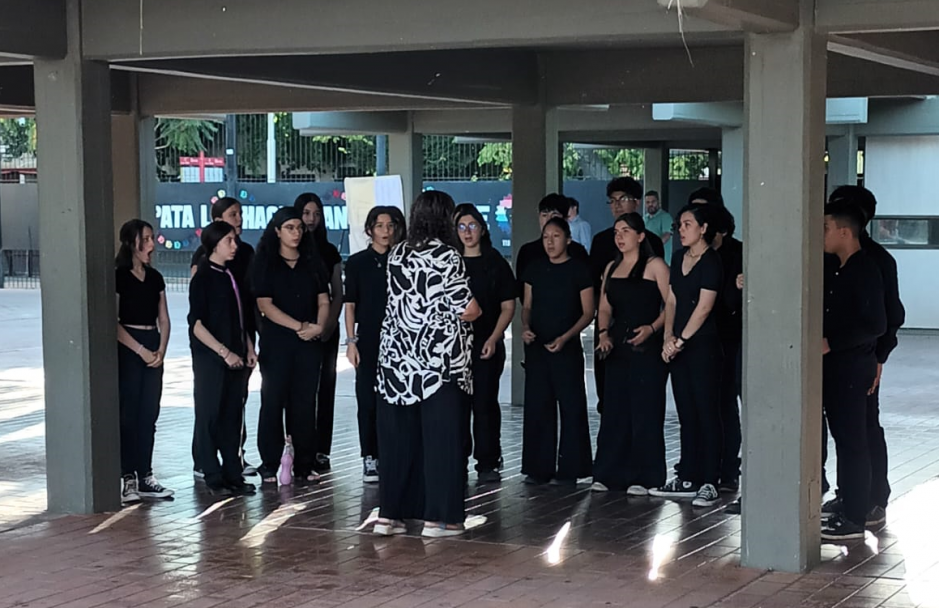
column 424, row 375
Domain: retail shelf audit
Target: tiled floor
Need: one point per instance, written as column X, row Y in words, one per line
column 299, row 546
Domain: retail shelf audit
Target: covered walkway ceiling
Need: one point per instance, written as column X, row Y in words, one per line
column 169, row 56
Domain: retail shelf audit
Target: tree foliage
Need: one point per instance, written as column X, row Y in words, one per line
column 188, row 137
column 18, row 136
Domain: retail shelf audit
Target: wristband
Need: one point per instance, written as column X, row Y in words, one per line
column 139, row 348
column 603, row 331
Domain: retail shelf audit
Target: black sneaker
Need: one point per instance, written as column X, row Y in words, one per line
column 241, row 488
column 707, row 496
column 370, row 470
column 838, row 528
column 733, row 508
column 151, row 488
column 129, row 494
column 731, row 486
column 248, row 469
column 322, row 463
column 876, row 516
column 676, row 488
column 198, row 473
column 489, row 477
column 832, row 507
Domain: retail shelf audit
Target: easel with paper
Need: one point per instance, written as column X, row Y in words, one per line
column 363, row 193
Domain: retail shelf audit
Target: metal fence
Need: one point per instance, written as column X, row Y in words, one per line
column 17, row 150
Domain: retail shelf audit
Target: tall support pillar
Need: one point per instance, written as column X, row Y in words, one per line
column 732, row 171
column 842, row 160
column 76, row 219
column 782, row 356
column 406, row 158
column 536, row 171
column 655, row 172
column 133, row 144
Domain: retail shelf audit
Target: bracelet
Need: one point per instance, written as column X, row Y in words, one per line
column 221, row 350
column 652, row 325
column 139, row 348
column 301, row 326
column 603, row 331
column 352, row 340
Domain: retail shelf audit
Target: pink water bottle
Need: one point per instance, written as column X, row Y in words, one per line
column 286, row 463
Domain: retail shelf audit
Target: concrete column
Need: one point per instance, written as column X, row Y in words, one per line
column 732, row 171
column 76, row 219
column 655, row 172
column 782, row 360
column 406, row 158
column 536, row 171
column 134, row 167
column 842, row 160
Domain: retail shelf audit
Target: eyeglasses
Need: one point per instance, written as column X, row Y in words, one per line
column 471, row 227
column 621, row 200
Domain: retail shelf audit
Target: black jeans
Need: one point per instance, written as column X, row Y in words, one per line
column 730, row 412
column 486, row 441
column 326, row 395
column 289, row 380
column 218, row 395
column 140, row 389
column 846, row 378
column 366, row 397
column 423, row 464
column 696, row 387
column 555, row 382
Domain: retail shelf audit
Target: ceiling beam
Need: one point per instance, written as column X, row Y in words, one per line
column 915, row 51
column 32, row 29
column 757, row 16
column 146, row 29
column 483, row 76
column 863, row 16
column 160, row 94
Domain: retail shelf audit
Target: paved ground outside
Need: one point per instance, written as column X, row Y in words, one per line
column 299, row 546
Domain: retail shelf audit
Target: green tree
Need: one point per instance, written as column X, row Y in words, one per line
column 624, row 161
column 18, row 136
column 688, row 165
column 185, row 136
column 497, row 156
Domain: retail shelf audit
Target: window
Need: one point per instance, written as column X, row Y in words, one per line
column 906, row 232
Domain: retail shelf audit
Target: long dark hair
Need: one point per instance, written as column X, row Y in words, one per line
column 485, row 241
column 131, row 231
column 222, row 205
column 397, row 218
column 634, row 221
column 268, row 253
column 213, row 234
column 431, row 219
column 319, row 233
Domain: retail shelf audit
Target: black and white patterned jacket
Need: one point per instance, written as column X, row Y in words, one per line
column 424, row 344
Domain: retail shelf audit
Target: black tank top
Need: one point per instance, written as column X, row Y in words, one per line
column 635, row 302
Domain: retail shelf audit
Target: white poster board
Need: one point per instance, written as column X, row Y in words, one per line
column 363, row 193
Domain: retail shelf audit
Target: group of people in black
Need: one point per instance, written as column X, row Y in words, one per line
column 428, row 329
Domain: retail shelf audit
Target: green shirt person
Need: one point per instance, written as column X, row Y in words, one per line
column 659, row 222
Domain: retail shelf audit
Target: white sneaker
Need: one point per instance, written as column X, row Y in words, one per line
column 129, row 493
column 599, row 487
column 706, row 496
column 389, row 528
column 151, row 488
column 637, row 490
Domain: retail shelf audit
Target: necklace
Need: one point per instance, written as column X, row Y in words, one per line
column 694, row 255
column 290, row 259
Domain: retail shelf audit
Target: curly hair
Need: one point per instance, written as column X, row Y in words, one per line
column 431, row 219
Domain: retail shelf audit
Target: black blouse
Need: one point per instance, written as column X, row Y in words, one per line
column 295, row 291
column 555, row 296
column 139, row 302
column 214, row 302
column 706, row 274
column 493, row 283
column 367, row 287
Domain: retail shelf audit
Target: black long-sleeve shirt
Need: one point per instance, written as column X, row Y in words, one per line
column 896, row 314
column 855, row 316
column 730, row 301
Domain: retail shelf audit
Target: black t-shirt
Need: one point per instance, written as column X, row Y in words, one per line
column 706, row 274
column 294, row 291
column 534, row 251
column 603, row 250
column 331, row 258
column 555, row 296
column 367, row 287
column 212, row 300
column 492, row 283
column 139, row 302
